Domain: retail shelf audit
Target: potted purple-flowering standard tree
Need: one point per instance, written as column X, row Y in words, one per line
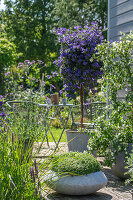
column 79, row 71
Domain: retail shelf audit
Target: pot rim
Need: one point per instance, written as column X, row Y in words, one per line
column 75, row 131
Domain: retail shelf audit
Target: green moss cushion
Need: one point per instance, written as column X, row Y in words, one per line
column 75, row 163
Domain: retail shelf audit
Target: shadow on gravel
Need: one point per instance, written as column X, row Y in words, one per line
column 96, row 196
column 115, row 182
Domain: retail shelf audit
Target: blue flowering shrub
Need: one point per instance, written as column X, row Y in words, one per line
column 76, row 67
column 79, row 72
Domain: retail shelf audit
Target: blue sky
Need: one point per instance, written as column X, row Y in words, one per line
column 2, row 5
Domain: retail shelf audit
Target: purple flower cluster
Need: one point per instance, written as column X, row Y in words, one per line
column 52, row 86
column 29, row 63
column 2, row 115
column 6, row 74
column 77, row 48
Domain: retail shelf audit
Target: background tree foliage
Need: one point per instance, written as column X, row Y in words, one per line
column 29, row 23
column 8, row 56
column 70, row 13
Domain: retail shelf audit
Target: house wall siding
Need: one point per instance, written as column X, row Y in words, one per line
column 120, row 18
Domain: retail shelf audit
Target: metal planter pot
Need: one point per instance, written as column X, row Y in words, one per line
column 77, row 141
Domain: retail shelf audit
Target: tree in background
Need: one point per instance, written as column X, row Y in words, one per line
column 28, row 25
column 8, row 56
column 71, row 13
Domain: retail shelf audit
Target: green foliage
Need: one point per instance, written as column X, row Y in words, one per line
column 117, row 60
column 112, row 135
column 7, row 57
column 130, row 167
column 7, row 52
column 29, row 78
column 57, row 123
column 23, row 80
column 75, row 163
column 28, row 25
column 26, row 119
column 16, row 182
column 114, row 130
column 74, row 13
column 21, row 177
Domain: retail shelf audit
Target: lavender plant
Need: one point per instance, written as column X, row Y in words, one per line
column 15, row 179
column 79, row 72
column 21, row 176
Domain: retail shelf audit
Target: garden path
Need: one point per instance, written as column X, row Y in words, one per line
column 114, row 190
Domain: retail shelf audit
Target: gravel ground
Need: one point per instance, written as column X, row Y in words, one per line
column 114, row 190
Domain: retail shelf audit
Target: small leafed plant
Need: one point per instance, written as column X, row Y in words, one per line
column 75, row 163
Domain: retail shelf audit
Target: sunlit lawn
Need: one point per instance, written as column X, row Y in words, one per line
column 56, row 133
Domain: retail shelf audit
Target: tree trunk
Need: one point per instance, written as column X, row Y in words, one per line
column 81, row 101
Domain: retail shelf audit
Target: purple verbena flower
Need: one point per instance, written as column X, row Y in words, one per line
column 6, row 74
column 48, row 76
column 41, row 62
column 52, row 86
column 26, row 61
column 2, row 114
column 43, row 83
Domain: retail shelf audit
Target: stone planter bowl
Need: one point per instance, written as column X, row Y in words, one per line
column 76, row 185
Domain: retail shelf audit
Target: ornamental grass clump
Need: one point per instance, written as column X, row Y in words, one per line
column 21, row 176
column 16, row 182
column 79, row 72
column 75, row 163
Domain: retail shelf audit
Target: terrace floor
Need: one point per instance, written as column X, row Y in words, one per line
column 114, row 190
